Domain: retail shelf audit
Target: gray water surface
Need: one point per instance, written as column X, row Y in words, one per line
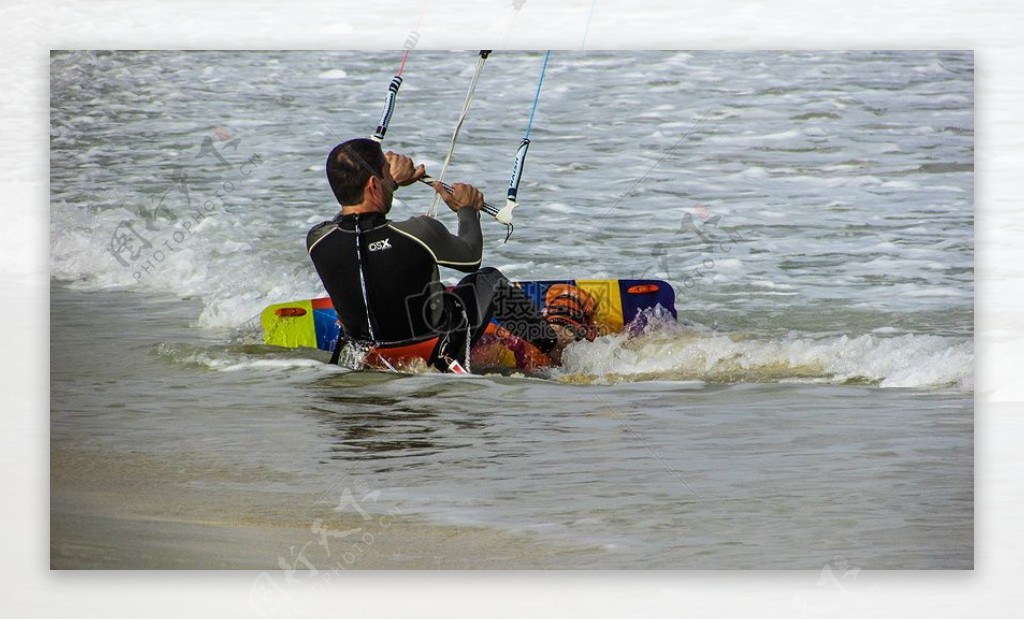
column 814, row 212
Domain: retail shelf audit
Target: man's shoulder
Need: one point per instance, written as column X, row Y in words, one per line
column 319, row 231
column 418, row 225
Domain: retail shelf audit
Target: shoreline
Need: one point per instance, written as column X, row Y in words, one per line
column 127, row 511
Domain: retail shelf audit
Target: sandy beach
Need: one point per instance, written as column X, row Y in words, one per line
column 126, row 511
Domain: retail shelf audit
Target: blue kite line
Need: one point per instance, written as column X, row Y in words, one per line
column 536, row 97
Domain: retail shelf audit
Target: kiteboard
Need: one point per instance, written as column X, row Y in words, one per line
column 313, row 323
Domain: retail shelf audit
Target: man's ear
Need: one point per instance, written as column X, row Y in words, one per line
column 373, row 185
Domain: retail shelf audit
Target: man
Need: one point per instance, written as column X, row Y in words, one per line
column 382, row 276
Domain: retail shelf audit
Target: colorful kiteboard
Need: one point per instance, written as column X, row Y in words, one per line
column 313, row 323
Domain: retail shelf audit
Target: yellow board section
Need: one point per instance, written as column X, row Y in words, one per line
column 286, row 330
column 609, row 303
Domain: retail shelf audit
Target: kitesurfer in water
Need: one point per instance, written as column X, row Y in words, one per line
column 382, row 276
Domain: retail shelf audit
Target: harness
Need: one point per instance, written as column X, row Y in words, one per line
column 434, row 350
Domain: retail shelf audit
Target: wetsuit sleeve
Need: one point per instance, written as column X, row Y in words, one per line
column 462, row 252
column 470, row 233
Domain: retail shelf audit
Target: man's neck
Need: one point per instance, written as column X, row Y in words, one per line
column 360, row 209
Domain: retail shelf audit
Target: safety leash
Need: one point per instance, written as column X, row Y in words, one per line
column 389, row 101
column 511, row 199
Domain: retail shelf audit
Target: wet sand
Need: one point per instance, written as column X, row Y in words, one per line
column 128, row 511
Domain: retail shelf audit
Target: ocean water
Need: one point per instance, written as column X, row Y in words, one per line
column 813, row 210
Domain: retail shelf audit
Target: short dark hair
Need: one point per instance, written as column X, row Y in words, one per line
column 350, row 165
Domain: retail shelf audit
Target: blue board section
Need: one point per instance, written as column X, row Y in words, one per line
column 326, row 322
column 537, row 290
column 633, row 303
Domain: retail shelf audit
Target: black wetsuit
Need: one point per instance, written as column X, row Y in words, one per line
column 387, row 290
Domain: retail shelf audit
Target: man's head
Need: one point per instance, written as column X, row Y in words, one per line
column 359, row 173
